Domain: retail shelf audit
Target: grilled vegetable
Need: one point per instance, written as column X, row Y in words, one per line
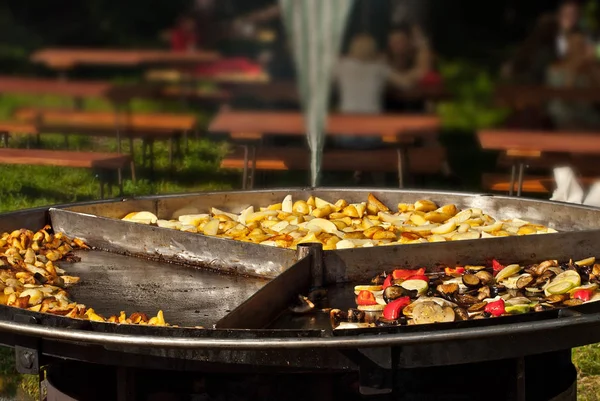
column 418, row 285
column 393, row 309
column 365, row 298
column 471, row 280
column 394, row 292
column 495, row 308
column 406, row 273
column 583, row 294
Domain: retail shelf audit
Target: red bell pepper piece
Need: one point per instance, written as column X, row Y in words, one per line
column 496, row 308
column 387, row 282
column 496, row 266
column 454, row 272
column 584, row 295
column 406, row 273
column 366, row 298
column 393, row 309
column 419, row 277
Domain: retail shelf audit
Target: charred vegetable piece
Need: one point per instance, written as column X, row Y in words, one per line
column 485, row 277
column 483, row 293
column 573, row 302
column 392, row 311
column 461, row 314
column 336, row 316
column 304, row 305
column 383, row 322
column 525, row 281
column 478, row 307
column 448, row 289
column 379, row 279
column 471, row 280
column 395, row 291
column 355, row 315
column 466, row 300
column 556, row 298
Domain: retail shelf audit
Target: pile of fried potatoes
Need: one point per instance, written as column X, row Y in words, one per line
column 30, row 279
column 342, row 225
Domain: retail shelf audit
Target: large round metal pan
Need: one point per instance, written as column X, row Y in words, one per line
column 99, row 224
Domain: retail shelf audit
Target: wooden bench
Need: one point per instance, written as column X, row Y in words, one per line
column 525, row 147
column 100, row 162
column 531, row 184
column 15, row 127
column 149, row 127
column 399, row 131
column 64, row 59
column 418, row 160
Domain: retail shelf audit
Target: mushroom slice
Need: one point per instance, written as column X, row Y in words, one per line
column 305, row 305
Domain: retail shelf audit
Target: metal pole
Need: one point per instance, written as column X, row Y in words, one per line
column 520, row 187
column 512, row 180
column 317, row 270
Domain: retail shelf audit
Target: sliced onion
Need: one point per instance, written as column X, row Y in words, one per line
column 508, row 271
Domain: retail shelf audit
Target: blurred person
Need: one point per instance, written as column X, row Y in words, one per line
column 577, row 69
column 569, row 18
column 535, row 55
column 409, row 54
column 184, row 36
column 361, row 77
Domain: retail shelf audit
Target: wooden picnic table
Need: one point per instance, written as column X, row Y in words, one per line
column 399, row 130
column 75, row 89
column 521, row 145
column 148, row 127
column 390, row 127
column 64, row 59
column 524, row 96
column 101, row 162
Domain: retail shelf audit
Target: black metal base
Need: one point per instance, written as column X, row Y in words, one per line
column 548, row 377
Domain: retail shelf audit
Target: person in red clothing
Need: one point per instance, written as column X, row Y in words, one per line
column 184, row 37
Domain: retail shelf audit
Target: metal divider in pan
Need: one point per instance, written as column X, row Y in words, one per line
column 360, row 264
column 272, row 299
column 223, row 255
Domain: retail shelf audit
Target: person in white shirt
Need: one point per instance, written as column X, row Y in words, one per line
column 362, row 76
column 568, row 17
